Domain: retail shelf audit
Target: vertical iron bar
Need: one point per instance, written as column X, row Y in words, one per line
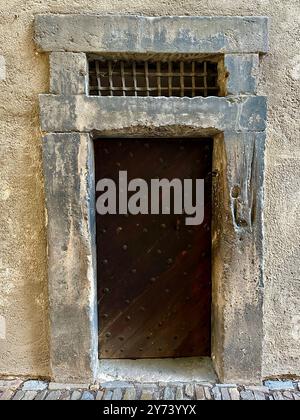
column 170, row 76
column 181, row 78
column 205, row 79
column 110, row 76
column 158, row 69
column 123, row 78
column 147, row 78
column 98, row 78
column 134, row 78
column 193, row 79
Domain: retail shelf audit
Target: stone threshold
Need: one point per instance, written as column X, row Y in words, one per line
column 187, row 370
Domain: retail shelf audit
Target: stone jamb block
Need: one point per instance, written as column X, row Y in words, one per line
column 243, row 72
column 68, row 73
column 69, row 175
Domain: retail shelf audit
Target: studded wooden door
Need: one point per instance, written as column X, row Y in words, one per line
column 154, row 272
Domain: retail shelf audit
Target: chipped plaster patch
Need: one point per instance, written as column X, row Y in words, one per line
column 2, row 328
column 6, row 285
column 2, row 68
column 296, row 328
column 295, row 68
column 4, row 190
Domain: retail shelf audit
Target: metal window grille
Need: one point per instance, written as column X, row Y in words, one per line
column 153, row 78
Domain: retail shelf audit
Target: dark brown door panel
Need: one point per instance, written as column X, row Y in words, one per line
column 154, row 272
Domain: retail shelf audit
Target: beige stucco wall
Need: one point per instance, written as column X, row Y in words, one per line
column 23, row 279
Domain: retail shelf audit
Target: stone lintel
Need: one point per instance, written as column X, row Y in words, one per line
column 141, row 34
column 87, row 114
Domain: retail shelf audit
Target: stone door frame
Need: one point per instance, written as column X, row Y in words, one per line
column 71, row 120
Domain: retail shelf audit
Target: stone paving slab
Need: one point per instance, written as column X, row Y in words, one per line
column 35, row 386
column 18, row 390
column 12, row 384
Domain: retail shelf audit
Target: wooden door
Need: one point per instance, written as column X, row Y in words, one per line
column 154, row 272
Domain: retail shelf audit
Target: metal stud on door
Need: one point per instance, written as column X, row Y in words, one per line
column 154, row 272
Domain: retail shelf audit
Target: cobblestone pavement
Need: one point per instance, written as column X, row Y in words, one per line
column 16, row 389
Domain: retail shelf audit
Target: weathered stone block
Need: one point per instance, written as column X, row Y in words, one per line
column 238, row 259
column 69, row 174
column 68, row 73
column 243, row 72
column 186, row 34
